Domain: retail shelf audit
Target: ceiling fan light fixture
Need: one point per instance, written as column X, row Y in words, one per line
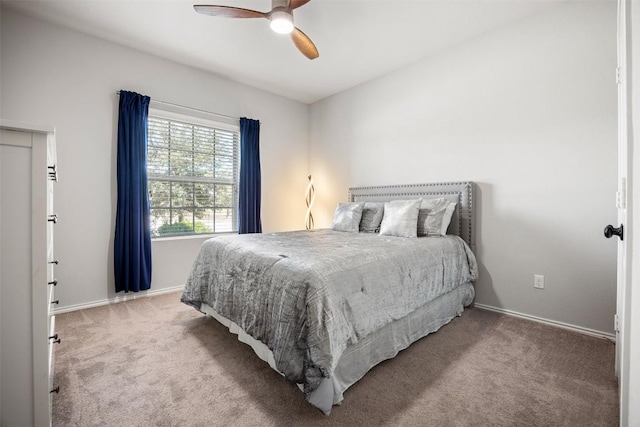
column 280, row 17
column 281, row 22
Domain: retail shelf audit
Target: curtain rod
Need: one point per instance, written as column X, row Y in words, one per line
column 189, row 108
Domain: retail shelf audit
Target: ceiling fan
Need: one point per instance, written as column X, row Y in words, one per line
column 281, row 17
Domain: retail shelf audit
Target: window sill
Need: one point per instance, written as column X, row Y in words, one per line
column 190, row 237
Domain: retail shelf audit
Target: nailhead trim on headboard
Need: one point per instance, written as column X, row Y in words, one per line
column 462, row 190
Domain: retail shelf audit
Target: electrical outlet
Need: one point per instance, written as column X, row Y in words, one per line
column 538, row 281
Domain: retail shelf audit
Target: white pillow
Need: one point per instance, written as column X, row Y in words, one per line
column 434, row 216
column 371, row 217
column 347, row 217
column 400, row 218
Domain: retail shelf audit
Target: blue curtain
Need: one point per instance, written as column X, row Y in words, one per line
column 132, row 244
column 249, row 202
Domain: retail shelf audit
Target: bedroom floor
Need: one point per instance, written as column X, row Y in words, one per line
column 156, row 362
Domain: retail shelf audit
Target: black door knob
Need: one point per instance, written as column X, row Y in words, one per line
column 610, row 231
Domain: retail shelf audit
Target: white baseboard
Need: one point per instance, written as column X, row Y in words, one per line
column 579, row 329
column 143, row 294
column 118, row 298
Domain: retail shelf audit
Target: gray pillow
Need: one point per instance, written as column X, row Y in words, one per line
column 371, row 217
column 347, row 217
column 434, row 216
column 400, row 218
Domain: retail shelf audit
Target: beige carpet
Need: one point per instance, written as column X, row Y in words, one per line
column 156, row 362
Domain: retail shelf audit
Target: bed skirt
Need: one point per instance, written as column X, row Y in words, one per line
column 384, row 344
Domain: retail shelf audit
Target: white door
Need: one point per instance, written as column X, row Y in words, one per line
column 621, row 195
column 624, row 203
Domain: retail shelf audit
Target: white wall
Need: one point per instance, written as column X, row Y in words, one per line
column 529, row 113
column 55, row 76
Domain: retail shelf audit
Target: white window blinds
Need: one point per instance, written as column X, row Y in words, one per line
column 192, row 172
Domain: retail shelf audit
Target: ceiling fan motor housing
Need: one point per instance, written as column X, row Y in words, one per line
column 281, row 17
column 276, row 4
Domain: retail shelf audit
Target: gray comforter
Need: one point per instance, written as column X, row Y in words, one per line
column 309, row 295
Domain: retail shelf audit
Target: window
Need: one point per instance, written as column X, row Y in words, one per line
column 192, row 171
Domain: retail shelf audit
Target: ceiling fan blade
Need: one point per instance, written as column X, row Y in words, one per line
column 228, row 11
column 294, row 4
column 304, row 44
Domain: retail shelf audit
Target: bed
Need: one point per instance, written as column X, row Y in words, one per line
column 323, row 307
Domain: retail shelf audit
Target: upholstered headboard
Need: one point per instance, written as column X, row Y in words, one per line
column 459, row 192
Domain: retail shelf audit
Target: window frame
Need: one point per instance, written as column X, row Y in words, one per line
column 210, row 120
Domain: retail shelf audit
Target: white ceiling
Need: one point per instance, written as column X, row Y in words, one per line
column 358, row 40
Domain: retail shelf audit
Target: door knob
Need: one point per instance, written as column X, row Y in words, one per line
column 610, row 231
